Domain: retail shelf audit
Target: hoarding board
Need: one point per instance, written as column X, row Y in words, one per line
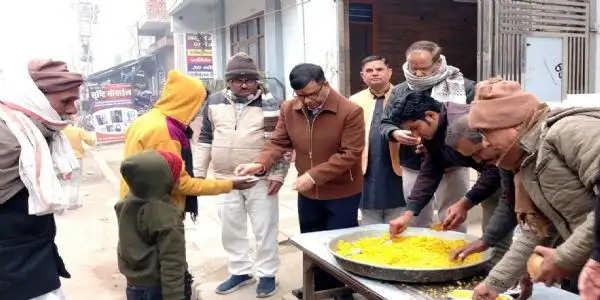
column 113, row 111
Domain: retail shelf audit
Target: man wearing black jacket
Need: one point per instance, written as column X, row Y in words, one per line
column 428, row 119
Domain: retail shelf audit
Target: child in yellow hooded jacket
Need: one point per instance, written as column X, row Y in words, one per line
column 166, row 127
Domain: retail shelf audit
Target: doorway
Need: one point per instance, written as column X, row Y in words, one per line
column 388, row 27
column 360, row 17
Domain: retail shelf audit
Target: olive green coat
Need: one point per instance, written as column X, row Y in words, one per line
column 559, row 173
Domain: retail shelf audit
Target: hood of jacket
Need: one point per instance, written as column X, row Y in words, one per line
column 456, row 110
column 182, row 97
column 530, row 139
column 558, row 114
column 148, row 176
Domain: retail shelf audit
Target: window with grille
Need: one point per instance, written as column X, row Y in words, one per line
column 249, row 36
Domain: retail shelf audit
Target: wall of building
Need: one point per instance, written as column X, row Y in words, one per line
column 310, row 34
column 293, row 44
column 179, row 52
column 236, row 10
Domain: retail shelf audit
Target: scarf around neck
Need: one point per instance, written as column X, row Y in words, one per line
column 232, row 97
column 447, row 84
column 528, row 215
column 45, row 165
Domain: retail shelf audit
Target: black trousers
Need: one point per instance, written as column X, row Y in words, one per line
column 319, row 215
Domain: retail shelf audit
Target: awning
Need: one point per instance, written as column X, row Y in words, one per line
column 148, row 63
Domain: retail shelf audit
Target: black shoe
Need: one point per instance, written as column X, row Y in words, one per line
column 299, row 293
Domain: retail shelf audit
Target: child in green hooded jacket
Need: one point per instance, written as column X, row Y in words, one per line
column 151, row 251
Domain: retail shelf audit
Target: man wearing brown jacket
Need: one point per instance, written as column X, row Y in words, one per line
column 327, row 132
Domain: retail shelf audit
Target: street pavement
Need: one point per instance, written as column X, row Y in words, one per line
column 87, row 238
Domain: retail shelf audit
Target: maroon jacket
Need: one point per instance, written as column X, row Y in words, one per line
column 329, row 148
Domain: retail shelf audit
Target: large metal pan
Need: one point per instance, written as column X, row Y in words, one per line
column 409, row 274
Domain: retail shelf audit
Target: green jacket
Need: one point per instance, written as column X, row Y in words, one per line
column 559, row 173
column 151, row 247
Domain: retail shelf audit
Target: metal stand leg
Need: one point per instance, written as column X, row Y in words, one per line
column 308, row 277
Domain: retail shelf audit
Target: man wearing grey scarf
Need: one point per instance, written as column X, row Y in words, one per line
column 426, row 71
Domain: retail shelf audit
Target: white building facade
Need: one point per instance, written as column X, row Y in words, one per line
column 278, row 34
column 282, row 33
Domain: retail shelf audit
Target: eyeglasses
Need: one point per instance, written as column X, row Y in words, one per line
column 483, row 133
column 246, row 81
column 311, row 95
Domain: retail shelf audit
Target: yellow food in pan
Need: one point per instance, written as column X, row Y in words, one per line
column 426, row 252
column 468, row 294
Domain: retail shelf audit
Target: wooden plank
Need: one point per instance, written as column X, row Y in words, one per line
column 545, row 7
column 505, row 55
column 576, row 65
column 496, row 52
column 480, row 47
column 543, row 34
column 580, row 71
column 545, row 13
column 489, row 40
column 514, row 59
column 516, row 22
column 517, row 59
column 560, row 2
column 540, row 20
column 568, row 67
column 549, row 4
column 331, row 293
column 587, row 54
column 508, row 57
column 308, row 277
column 521, row 61
column 558, row 28
column 542, row 28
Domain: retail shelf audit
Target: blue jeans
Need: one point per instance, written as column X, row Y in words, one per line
column 143, row 293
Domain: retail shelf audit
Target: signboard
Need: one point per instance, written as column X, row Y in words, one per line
column 113, row 110
column 199, row 55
